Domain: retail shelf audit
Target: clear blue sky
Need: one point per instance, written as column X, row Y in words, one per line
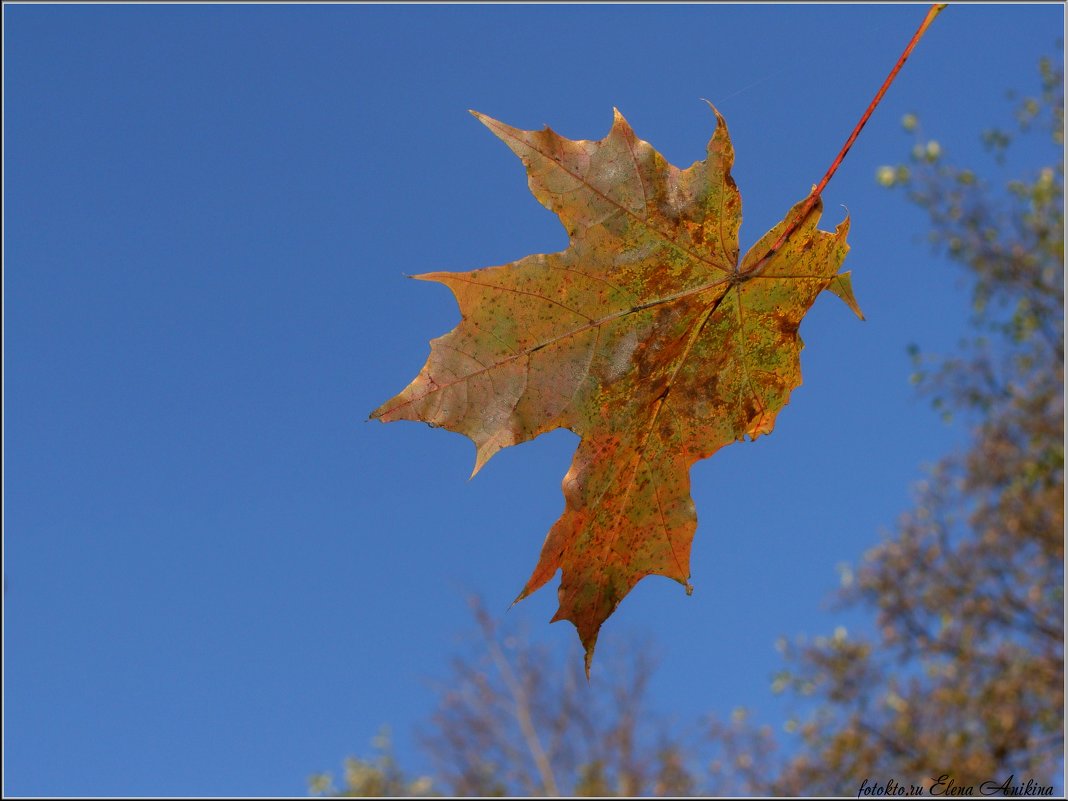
column 219, row 577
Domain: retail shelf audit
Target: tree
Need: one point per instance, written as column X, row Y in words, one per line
column 514, row 720
column 964, row 677
column 377, row 777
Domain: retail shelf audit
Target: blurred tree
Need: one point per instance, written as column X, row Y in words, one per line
column 514, row 720
column 964, row 676
column 374, row 778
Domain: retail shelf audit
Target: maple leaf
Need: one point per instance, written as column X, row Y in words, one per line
column 647, row 337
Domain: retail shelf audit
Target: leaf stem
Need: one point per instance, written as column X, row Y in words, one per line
column 814, row 196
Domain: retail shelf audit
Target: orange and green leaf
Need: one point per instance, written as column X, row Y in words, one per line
column 648, row 337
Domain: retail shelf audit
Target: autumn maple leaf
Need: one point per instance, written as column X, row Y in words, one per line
column 647, row 337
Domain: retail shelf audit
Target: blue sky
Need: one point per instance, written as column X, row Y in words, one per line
column 219, row 577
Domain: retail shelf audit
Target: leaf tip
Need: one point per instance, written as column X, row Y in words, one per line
column 489, row 122
column 438, row 276
column 376, row 414
column 619, row 122
column 719, row 117
column 486, row 448
column 842, row 229
column 479, row 462
column 589, row 643
column 587, row 637
column 842, row 286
